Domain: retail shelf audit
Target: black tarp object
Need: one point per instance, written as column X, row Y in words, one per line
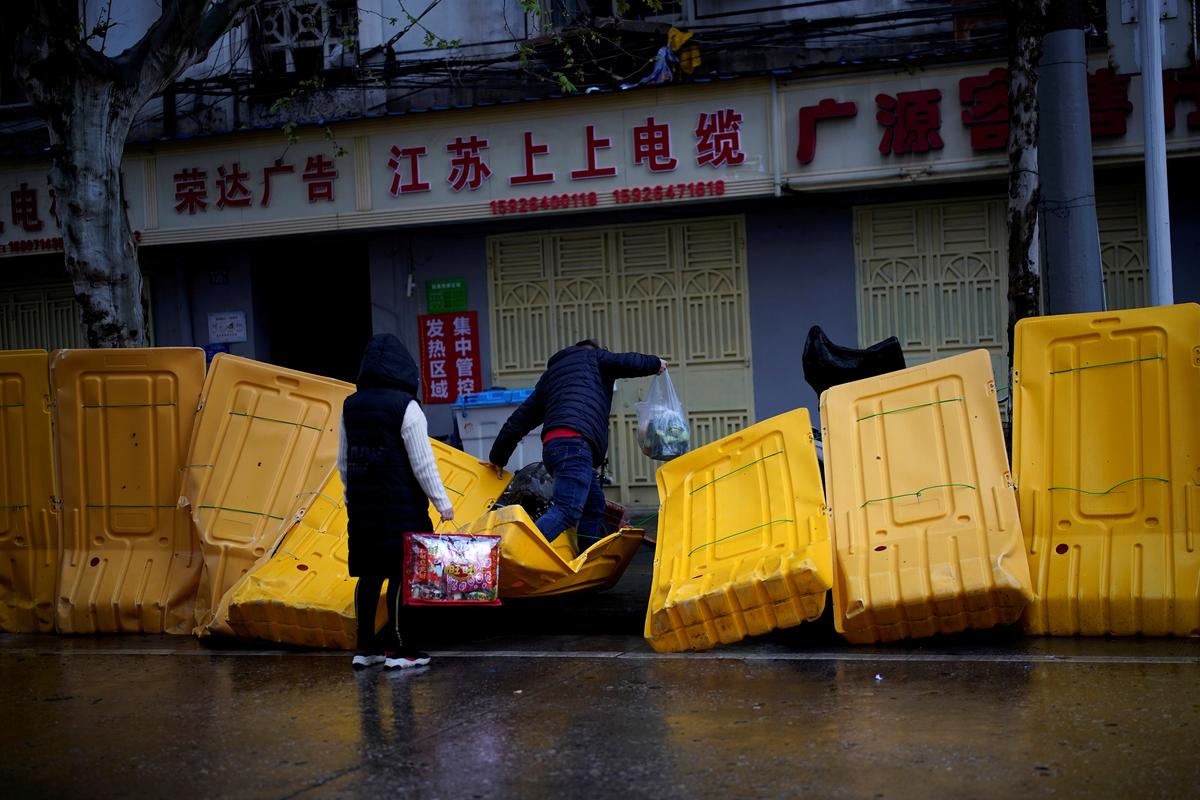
column 827, row 364
column 531, row 487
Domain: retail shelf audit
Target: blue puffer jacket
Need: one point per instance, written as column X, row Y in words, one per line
column 575, row 392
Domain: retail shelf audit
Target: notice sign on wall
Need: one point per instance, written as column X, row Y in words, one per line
column 446, row 295
column 227, row 326
column 449, row 356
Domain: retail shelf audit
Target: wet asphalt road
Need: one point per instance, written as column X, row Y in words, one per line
column 513, row 707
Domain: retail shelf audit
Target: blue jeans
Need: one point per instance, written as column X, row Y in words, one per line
column 578, row 498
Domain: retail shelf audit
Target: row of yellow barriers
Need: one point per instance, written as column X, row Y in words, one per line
column 140, row 494
column 922, row 528
column 159, row 487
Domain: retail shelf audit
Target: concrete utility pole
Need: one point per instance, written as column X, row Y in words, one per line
column 1158, row 212
column 1071, row 237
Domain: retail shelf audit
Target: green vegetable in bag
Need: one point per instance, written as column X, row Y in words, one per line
column 662, row 432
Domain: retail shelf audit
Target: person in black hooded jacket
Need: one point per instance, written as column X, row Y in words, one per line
column 571, row 402
column 390, row 476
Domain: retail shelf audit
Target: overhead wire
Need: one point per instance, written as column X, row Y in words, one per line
column 871, row 36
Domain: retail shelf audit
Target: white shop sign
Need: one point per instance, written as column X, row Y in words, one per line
column 665, row 146
column 875, row 129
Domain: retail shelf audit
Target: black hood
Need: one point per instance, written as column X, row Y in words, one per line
column 387, row 364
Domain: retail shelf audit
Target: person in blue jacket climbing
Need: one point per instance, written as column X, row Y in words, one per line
column 571, row 402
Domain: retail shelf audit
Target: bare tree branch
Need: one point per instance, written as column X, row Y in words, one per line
column 46, row 42
column 181, row 37
column 413, row 21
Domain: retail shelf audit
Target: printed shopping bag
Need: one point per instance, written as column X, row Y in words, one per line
column 451, row 569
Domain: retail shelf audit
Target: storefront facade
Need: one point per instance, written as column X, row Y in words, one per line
column 711, row 224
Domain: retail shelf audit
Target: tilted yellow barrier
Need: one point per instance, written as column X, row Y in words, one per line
column 532, row 567
column 265, row 440
column 743, row 542
column 924, row 515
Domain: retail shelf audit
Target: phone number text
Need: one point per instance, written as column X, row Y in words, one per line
column 50, row 245
column 550, row 202
column 674, row 191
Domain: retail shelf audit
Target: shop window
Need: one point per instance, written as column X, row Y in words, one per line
column 45, row 316
column 936, row 274
column 305, row 36
column 674, row 289
column 1121, row 214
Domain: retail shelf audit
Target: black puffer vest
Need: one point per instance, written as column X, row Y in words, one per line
column 383, row 498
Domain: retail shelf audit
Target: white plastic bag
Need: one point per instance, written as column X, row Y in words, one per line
column 662, row 432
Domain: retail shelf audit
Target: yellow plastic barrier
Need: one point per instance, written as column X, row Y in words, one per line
column 924, row 515
column 304, row 593
column 532, row 567
column 28, row 521
column 1106, row 447
column 265, row 440
column 471, row 487
column 743, row 542
column 130, row 560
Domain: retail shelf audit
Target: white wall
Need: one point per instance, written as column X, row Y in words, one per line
column 483, row 26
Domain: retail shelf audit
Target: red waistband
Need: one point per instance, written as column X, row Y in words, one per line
column 560, row 433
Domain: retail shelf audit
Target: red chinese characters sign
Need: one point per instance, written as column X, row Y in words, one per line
column 235, row 185
column 28, row 217
column 911, row 122
column 450, row 365
column 712, row 142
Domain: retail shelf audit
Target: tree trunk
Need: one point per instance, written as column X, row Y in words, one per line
column 1026, row 19
column 88, row 135
column 89, row 101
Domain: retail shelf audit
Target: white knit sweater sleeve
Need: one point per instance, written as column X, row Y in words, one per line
column 415, row 432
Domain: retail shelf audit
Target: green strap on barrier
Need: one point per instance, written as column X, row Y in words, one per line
column 739, row 533
column 125, row 505
column 918, row 493
column 126, row 405
column 735, row 471
column 273, row 419
column 910, row 408
column 241, row 511
column 1109, row 489
column 641, row 522
column 1159, row 357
